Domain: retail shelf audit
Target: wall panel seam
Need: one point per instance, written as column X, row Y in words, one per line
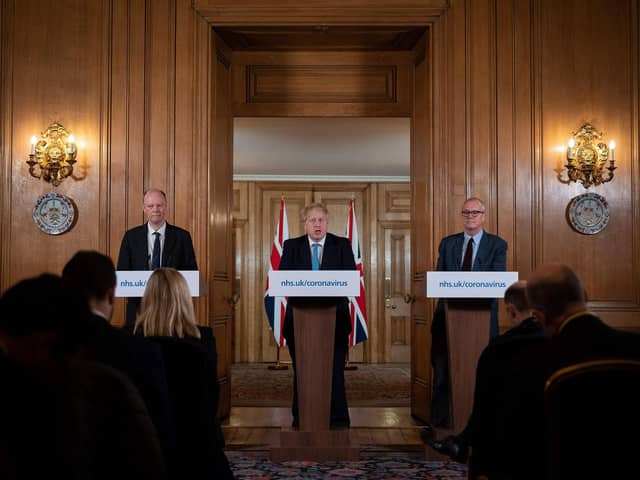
column 104, row 217
column 148, row 44
column 6, row 139
column 171, row 104
column 634, row 138
column 536, row 147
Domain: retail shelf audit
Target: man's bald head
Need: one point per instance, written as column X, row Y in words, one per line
column 555, row 292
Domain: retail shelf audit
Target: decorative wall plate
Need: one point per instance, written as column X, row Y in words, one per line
column 588, row 213
column 54, row 213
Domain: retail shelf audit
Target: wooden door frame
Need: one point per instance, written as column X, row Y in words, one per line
column 420, row 13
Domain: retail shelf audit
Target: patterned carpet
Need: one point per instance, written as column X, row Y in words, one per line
column 246, row 467
column 384, row 385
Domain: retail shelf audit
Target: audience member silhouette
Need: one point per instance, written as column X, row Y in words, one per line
column 167, row 317
column 93, row 274
column 481, row 431
column 558, row 299
column 63, row 415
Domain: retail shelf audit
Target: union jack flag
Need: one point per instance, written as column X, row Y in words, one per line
column 357, row 305
column 276, row 306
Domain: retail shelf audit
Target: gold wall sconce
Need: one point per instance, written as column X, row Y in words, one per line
column 587, row 158
column 53, row 154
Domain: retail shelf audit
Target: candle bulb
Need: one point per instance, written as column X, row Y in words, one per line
column 570, row 153
column 71, row 143
column 33, row 144
column 612, row 151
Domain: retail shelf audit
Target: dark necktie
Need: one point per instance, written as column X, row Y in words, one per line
column 315, row 259
column 155, row 257
column 468, row 256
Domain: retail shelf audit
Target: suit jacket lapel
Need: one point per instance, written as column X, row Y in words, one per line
column 142, row 245
column 327, row 251
column 305, row 253
column 169, row 245
column 483, row 249
column 458, row 250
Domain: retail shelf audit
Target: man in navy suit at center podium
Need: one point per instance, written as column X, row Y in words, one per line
column 471, row 250
column 319, row 250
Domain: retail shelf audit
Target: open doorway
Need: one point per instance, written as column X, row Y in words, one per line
column 333, row 160
column 338, row 72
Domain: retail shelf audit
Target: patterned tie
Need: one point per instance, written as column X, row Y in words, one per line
column 315, row 260
column 155, row 257
column 468, row 256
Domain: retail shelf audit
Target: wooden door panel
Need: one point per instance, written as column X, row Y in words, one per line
column 397, row 286
column 220, row 222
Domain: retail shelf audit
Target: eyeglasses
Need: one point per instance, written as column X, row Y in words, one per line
column 471, row 213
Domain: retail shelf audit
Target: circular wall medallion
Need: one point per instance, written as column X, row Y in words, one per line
column 588, row 213
column 54, row 213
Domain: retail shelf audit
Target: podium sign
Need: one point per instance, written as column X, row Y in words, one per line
column 469, row 284
column 314, row 283
column 131, row 283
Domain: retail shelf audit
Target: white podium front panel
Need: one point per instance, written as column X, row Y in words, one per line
column 469, row 284
column 314, row 283
column 131, row 283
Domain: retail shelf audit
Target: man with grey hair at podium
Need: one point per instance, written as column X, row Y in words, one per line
column 320, row 250
column 470, row 250
column 155, row 244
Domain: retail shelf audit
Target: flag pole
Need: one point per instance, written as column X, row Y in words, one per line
column 348, row 366
column 278, row 365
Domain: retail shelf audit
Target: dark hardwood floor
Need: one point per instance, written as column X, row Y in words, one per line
column 378, row 426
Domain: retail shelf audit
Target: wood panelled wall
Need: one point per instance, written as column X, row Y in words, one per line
column 524, row 77
column 123, row 76
column 255, row 215
column 507, row 82
column 145, row 88
column 336, row 84
column 499, row 85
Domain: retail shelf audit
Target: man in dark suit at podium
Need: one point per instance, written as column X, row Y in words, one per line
column 319, row 250
column 155, row 244
column 471, row 250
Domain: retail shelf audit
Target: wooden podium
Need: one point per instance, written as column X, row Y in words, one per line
column 468, row 322
column 314, row 330
column 467, row 297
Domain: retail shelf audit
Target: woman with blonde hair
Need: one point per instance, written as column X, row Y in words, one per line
column 190, row 359
column 167, row 309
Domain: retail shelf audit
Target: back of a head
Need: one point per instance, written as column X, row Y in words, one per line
column 44, row 304
column 167, row 307
column 516, row 295
column 553, row 289
column 93, row 273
